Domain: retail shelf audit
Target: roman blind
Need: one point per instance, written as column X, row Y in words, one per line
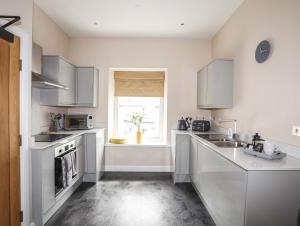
column 139, row 83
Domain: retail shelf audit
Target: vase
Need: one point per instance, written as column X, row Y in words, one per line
column 139, row 136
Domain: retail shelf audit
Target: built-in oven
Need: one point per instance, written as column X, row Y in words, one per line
column 65, row 166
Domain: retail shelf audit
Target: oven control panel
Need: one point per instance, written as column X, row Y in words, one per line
column 60, row 150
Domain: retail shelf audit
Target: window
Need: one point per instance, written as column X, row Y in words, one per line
column 152, row 107
column 139, row 91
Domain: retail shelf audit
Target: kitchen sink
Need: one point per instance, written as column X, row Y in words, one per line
column 221, row 140
column 227, row 144
column 214, row 137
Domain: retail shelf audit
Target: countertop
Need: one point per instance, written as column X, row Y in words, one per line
column 247, row 162
column 75, row 133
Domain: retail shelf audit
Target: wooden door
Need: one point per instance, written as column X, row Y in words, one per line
column 9, row 133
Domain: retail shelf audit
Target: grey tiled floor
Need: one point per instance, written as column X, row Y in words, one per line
column 130, row 199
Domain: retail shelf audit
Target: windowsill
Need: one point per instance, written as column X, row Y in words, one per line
column 128, row 144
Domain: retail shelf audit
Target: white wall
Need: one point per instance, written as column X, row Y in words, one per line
column 49, row 35
column 54, row 41
column 22, row 8
column 137, row 158
column 182, row 58
column 265, row 95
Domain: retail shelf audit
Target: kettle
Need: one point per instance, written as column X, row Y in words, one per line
column 183, row 124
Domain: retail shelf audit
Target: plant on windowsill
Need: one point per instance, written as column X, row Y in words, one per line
column 137, row 119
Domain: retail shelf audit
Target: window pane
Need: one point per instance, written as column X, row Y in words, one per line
column 151, row 122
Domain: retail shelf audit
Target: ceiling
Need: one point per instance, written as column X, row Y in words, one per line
column 140, row 18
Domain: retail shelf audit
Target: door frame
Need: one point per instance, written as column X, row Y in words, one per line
column 25, row 126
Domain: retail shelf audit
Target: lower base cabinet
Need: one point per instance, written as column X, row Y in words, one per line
column 223, row 187
column 180, row 157
column 195, row 158
column 90, row 167
column 80, row 160
column 48, row 180
column 237, row 197
column 94, row 156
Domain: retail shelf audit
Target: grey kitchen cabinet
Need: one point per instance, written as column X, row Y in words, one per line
column 80, row 160
column 273, row 198
column 43, row 183
column 48, row 180
column 81, row 83
column 80, row 155
column 59, row 70
column 215, row 85
column 90, row 166
column 237, row 197
column 223, row 187
column 94, row 156
column 233, row 194
column 180, row 152
column 87, row 86
column 194, row 173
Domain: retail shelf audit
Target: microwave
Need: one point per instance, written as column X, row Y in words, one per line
column 78, row 122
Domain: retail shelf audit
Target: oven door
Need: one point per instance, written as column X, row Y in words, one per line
column 66, row 170
column 59, row 180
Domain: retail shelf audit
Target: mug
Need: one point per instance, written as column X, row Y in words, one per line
column 270, row 148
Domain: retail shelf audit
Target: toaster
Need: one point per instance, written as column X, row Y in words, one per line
column 201, row 125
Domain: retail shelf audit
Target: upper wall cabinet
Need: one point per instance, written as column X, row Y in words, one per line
column 87, row 86
column 81, row 83
column 61, row 71
column 215, row 85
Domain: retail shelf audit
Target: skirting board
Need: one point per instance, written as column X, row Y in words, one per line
column 124, row 168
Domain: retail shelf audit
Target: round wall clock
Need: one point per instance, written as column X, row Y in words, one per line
column 262, row 51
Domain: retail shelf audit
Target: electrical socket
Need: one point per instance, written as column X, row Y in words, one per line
column 296, row 131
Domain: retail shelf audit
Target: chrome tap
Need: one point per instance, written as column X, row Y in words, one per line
column 234, row 121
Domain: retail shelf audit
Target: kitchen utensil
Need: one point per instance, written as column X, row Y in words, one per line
column 55, row 122
column 257, row 143
column 182, row 124
column 270, row 148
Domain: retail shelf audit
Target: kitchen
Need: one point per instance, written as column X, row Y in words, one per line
column 233, row 73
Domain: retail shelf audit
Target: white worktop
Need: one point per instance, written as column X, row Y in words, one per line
column 75, row 133
column 247, row 162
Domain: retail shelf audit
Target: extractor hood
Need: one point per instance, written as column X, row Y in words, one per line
column 38, row 80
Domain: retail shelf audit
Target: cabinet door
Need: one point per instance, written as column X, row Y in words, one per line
column 57, row 69
column 219, row 91
column 67, row 75
column 173, row 150
column 80, row 160
column 193, row 160
column 182, row 154
column 201, row 87
column 100, row 162
column 94, row 156
column 198, row 167
column 48, row 183
column 90, row 153
column 87, row 86
column 223, row 187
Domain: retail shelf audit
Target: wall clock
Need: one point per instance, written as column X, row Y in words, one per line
column 262, row 52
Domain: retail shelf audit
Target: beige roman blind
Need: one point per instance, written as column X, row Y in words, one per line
column 139, row 83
